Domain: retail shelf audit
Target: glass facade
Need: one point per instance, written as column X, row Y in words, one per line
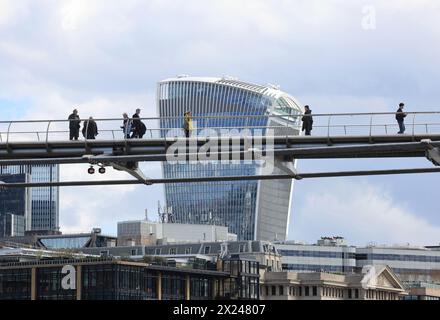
column 67, row 242
column 317, row 254
column 317, row 268
column 49, row 285
column 45, row 200
column 105, row 280
column 231, row 204
column 14, row 208
column 398, row 257
column 15, row 284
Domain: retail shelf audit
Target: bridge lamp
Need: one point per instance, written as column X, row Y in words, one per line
column 91, row 170
column 101, row 170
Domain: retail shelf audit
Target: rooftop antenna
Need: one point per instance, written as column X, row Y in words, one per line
column 146, row 214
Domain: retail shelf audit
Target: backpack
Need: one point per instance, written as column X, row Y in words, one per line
column 142, row 128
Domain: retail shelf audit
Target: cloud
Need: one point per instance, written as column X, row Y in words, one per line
column 104, row 57
column 361, row 212
column 82, row 208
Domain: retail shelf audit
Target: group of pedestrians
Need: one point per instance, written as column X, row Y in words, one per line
column 307, row 119
column 132, row 128
column 89, row 131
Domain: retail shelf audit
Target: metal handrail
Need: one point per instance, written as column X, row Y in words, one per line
column 232, row 116
column 289, row 122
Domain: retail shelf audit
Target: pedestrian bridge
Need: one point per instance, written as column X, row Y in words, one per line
column 226, row 138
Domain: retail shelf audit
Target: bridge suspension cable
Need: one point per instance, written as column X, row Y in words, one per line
column 298, row 176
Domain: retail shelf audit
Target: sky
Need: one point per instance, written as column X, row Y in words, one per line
column 105, row 57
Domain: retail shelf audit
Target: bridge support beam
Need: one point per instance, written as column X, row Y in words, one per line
column 432, row 153
column 284, row 163
column 131, row 167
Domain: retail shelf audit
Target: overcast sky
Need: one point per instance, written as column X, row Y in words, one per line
column 106, row 56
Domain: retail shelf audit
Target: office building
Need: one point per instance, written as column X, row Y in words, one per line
column 262, row 251
column 253, row 210
column 145, row 232
column 45, row 200
column 410, row 263
column 15, row 207
column 94, row 278
column 379, row 283
column 422, row 291
column 332, row 254
column 329, row 254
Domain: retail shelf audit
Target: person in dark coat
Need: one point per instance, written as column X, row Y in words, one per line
column 90, row 129
column 400, row 117
column 307, row 121
column 74, row 125
column 138, row 126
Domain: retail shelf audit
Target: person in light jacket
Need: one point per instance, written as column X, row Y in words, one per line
column 187, row 123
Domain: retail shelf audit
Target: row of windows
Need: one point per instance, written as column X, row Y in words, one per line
column 326, row 291
column 309, row 291
column 317, row 268
column 15, row 284
column 398, row 257
column 210, row 99
column 317, row 254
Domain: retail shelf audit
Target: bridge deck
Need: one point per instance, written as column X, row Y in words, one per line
column 298, row 147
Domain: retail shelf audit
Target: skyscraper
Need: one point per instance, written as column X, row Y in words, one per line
column 251, row 209
column 45, row 200
column 15, row 206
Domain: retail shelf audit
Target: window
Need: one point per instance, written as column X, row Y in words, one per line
column 306, row 291
column 242, row 247
column 207, row 249
column 315, row 291
column 356, row 293
column 133, row 252
column 157, row 251
column 274, row 291
column 267, row 290
column 349, row 294
column 188, row 250
column 300, row 291
column 172, row 251
column 281, row 290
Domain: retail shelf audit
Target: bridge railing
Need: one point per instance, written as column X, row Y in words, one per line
column 342, row 124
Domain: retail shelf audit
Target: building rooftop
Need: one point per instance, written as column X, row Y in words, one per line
column 268, row 89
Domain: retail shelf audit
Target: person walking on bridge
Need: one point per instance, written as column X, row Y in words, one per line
column 126, row 126
column 90, row 129
column 74, row 125
column 400, row 117
column 307, row 121
column 138, row 126
column 187, row 123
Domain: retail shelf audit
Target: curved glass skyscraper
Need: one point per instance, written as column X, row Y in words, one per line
column 251, row 209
